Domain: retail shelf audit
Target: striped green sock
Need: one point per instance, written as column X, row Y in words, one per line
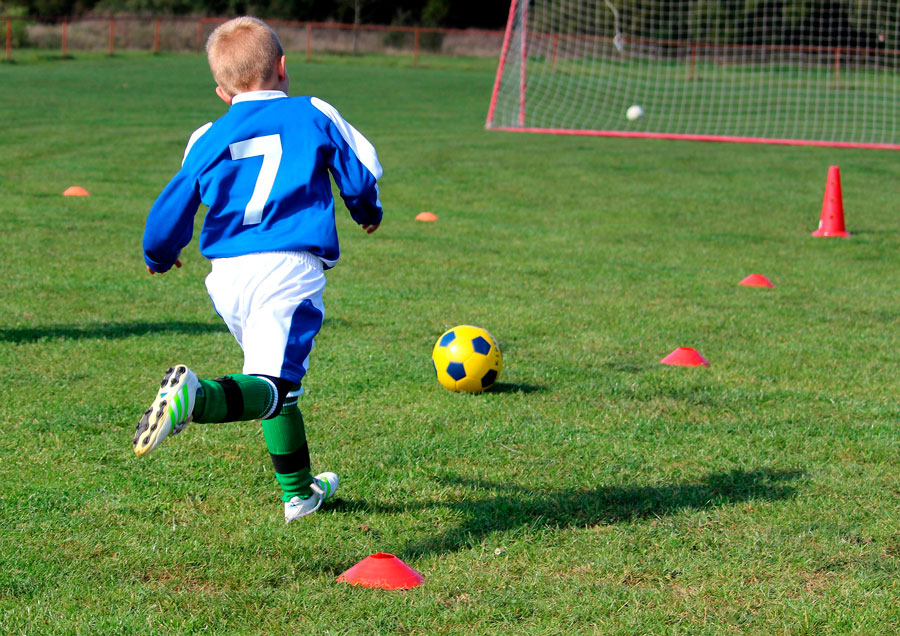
column 285, row 437
column 234, row 398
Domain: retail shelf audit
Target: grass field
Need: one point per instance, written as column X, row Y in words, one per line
column 593, row 491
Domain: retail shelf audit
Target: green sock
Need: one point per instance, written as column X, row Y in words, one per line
column 285, row 438
column 234, row 398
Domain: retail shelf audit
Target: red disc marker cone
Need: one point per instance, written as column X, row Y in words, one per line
column 685, row 357
column 757, row 280
column 75, row 191
column 831, row 223
column 426, row 216
column 382, row 570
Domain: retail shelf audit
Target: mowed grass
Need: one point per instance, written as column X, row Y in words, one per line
column 593, row 491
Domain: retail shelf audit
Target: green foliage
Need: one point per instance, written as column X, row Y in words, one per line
column 157, row 7
column 592, row 491
column 444, row 13
column 433, row 15
column 19, row 27
column 796, row 22
column 435, row 12
column 54, row 8
column 399, row 39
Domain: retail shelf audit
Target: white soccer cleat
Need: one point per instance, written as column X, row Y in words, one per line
column 324, row 486
column 170, row 412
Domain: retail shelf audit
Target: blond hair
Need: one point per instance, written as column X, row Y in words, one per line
column 242, row 54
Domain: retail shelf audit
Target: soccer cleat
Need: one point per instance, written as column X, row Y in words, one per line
column 171, row 410
column 324, row 486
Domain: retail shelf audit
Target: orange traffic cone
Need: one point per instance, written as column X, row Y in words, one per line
column 685, row 357
column 831, row 222
column 382, row 570
column 75, row 191
column 426, row 216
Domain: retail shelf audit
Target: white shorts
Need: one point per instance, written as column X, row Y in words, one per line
column 272, row 304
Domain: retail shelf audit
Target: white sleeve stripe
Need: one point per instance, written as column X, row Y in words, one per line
column 194, row 137
column 359, row 144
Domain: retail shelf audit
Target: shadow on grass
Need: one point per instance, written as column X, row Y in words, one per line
column 627, row 367
column 512, row 387
column 106, row 331
column 511, row 507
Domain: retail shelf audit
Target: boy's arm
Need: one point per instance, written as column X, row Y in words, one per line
column 355, row 168
column 170, row 223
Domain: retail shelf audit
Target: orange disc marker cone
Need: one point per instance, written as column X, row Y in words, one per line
column 831, row 223
column 426, row 216
column 76, row 191
column 756, row 280
column 382, row 570
column 685, row 357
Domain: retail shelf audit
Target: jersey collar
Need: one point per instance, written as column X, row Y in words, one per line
column 251, row 96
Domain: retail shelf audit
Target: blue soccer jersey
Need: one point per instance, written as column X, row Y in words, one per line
column 263, row 171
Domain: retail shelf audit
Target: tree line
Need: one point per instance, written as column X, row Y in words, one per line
column 847, row 23
column 430, row 13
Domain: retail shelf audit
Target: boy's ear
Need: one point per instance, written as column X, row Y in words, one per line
column 281, row 67
column 225, row 97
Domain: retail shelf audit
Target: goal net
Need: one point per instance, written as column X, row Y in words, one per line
column 817, row 72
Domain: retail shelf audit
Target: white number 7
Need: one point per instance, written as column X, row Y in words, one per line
column 269, row 147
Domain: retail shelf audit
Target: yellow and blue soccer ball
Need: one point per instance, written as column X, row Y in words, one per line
column 467, row 358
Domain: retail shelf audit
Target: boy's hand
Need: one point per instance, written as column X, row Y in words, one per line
column 370, row 228
column 177, row 264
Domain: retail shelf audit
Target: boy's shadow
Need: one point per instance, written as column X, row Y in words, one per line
column 512, row 506
column 105, row 330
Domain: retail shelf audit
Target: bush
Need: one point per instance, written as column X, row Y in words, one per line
column 19, row 25
column 397, row 39
column 404, row 39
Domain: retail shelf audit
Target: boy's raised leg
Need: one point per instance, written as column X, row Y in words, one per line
column 183, row 398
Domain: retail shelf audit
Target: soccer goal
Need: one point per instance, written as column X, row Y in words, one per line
column 803, row 72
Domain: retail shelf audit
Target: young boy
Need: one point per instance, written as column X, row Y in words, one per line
column 263, row 170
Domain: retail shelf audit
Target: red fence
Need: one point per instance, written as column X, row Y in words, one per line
column 158, row 34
